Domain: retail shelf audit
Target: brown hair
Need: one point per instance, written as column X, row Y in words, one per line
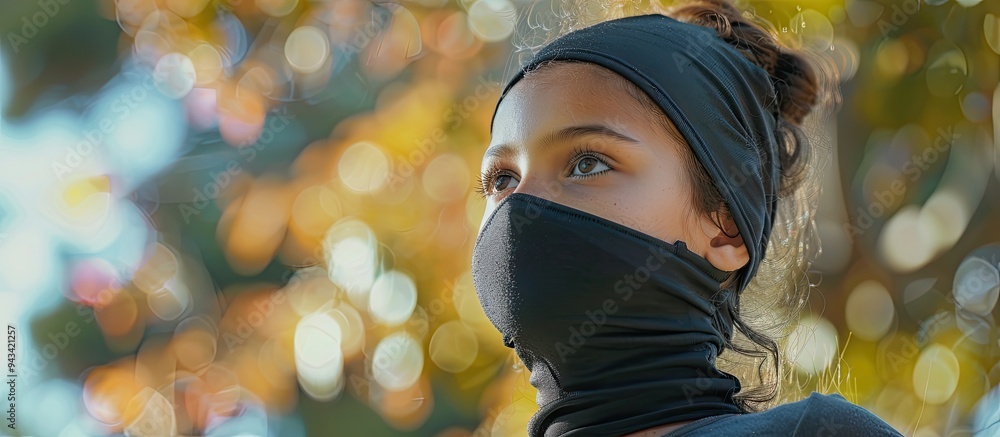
column 780, row 285
column 797, row 87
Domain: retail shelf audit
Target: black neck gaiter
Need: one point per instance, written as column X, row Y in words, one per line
column 619, row 329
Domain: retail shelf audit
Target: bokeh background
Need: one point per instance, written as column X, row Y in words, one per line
column 256, row 217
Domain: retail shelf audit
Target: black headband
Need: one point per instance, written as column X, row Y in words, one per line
column 722, row 104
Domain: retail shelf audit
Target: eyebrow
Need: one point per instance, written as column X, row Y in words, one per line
column 564, row 134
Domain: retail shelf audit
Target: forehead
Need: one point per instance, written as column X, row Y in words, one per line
column 565, row 94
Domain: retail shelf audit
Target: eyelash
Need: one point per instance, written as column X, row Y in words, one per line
column 579, row 152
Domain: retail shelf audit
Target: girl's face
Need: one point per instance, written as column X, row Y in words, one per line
column 570, row 134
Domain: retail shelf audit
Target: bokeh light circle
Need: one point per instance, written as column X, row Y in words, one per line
column 812, row 345
column 492, row 20
column 351, row 258
column 277, row 8
column 363, row 167
column 393, row 298
column 319, row 360
column 869, row 311
column 446, row 178
column 453, row 347
column 935, row 375
column 977, row 286
column 307, row 49
column 174, row 75
column 397, row 361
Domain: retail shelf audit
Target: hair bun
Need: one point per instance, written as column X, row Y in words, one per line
column 795, row 85
column 794, row 81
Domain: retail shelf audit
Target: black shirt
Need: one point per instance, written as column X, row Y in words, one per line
column 816, row 416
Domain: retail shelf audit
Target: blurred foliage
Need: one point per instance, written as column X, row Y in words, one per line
column 255, row 216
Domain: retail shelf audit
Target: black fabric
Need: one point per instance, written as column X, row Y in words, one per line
column 721, row 103
column 619, row 329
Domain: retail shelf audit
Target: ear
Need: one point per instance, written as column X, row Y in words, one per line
column 725, row 250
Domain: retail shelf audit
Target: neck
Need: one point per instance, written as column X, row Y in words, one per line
column 640, row 390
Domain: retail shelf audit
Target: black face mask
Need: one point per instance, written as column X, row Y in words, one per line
column 619, row 329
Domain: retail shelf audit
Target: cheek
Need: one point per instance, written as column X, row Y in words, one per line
column 490, row 207
column 662, row 206
column 667, row 219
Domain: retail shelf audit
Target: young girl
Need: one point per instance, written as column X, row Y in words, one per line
column 636, row 171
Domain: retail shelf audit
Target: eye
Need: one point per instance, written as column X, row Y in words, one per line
column 493, row 181
column 589, row 166
column 502, row 182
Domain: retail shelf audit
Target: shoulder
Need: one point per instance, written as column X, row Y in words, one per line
column 818, row 415
column 833, row 415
